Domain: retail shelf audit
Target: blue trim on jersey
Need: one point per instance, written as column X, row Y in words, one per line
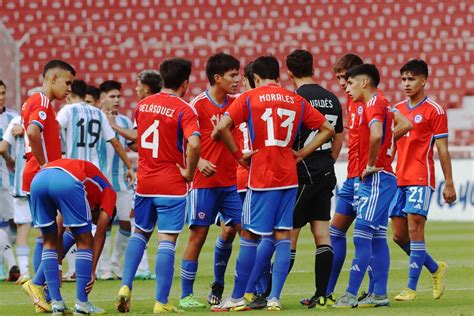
column 384, row 126
column 37, row 124
column 180, row 145
column 103, row 184
column 215, row 103
column 300, row 122
column 441, row 136
column 250, row 121
column 409, row 107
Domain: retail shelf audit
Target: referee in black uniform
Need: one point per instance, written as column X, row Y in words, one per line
column 316, row 174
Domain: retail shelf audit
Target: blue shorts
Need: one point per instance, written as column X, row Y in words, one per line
column 412, row 200
column 169, row 213
column 374, row 197
column 54, row 189
column 205, row 203
column 347, row 197
column 266, row 211
column 227, row 221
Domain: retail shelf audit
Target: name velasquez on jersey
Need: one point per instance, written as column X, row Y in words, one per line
column 328, row 105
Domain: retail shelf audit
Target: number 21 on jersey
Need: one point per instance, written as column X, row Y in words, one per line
column 152, row 132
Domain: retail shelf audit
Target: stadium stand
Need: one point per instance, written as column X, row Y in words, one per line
column 108, row 39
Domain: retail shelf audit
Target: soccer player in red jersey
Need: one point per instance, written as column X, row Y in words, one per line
column 378, row 185
column 74, row 187
column 415, row 177
column 274, row 116
column 168, row 151
column 214, row 188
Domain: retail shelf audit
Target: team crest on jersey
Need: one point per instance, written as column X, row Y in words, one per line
column 418, row 118
column 360, row 109
column 42, row 115
column 201, row 215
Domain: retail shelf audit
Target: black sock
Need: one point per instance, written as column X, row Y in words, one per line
column 406, row 248
column 322, row 268
column 292, row 262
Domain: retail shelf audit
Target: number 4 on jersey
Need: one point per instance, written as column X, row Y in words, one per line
column 153, row 145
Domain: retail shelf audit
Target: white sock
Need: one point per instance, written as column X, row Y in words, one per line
column 71, row 260
column 7, row 250
column 23, row 257
column 104, row 261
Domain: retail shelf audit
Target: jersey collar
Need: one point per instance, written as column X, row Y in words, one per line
column 410, row 107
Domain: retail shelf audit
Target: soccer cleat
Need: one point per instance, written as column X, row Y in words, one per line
column 122, row 301
column 87, row 308
column 23, row 279
column 248, row 297
column 36, row 292
column 107, row 275
column 363, row 295
column 214, row 296
column 229, row 304
column 406, row 295
column 258, row 302
column 373, row 300
column 40, row 310
column 347, row 300
column 190, row 302
column 318, row 302
column 69, row 277
column 144, row 275
column 330, row 300
column 165, row 308
column 438, row 278
column 13, row 274
column 58, row 308
column 273, row 305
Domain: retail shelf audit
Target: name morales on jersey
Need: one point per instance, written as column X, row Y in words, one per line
column 276, row 97
column 318, row 103
column 158, row 109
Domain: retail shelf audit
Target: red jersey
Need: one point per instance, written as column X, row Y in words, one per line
column 242, row 137
column 38, row 110
column 274, row 116
column 377, row 109
column 100, row 192
column 209, row 114
column 415, row 165
column 354, row 109
column 164, row 123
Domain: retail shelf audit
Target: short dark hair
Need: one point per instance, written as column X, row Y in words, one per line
column 152, row 79
column 175, row 71
column 56, row 63
column 94, row 92
column 248, row 73
column 3, row 84
column 266, row 67
column 346, row 62
column 365, row 69
column 300, row 63
column 219, row 64
column 110, row 85
column 415, row 67
column 79, row 88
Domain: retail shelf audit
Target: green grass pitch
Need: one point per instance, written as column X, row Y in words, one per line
column 451, row 242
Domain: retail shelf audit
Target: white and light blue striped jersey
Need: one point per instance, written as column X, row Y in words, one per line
column 83, row 128
column 113, row 167
column 6, row 177
column 17, row 145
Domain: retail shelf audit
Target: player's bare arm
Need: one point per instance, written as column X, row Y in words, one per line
column 376, row 135
column 402, row 126
column 336, row 145
column 4, row 153
column 123, row 155
column 34, row 135
column 130, row 134
column 206, row 167
column 193, row 151
column 449, row 192
column 326, row 131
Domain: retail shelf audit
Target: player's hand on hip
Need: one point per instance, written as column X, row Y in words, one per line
column 90, row 284
column 206, row 167
column 245, row 160
column 297, row 155
column 185, row 173
column 130, row 176
column 449, row 193
column 368, row 171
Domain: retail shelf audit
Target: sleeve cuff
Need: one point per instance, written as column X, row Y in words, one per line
column 374, row 121
column 444, row 135
column 37, row 123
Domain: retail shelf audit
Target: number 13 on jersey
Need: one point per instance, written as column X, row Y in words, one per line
column 153, row 133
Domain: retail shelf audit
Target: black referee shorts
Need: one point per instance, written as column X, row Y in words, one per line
column 313, row 202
